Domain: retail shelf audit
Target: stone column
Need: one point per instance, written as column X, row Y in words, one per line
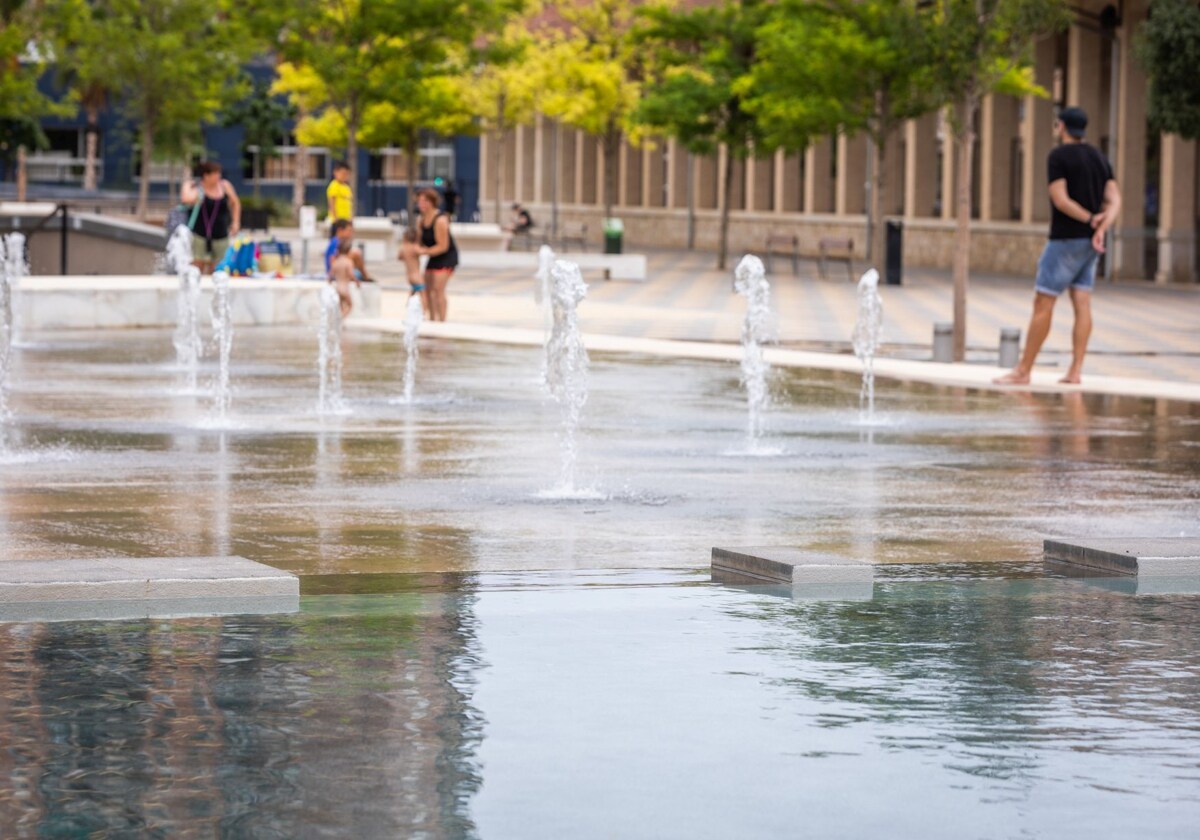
column 920, row 166
column 654, row 177
column 585, row 174
column 893, row 174
column 1129, row 166
column 851, row 175
column 949, row 165
column 1177, row 211
column 486, row 150
column 1036, row 140
column 706, row 176
column 541, row 159
column 998, row 127
column 789, row 183
column 1084, row 82
column 760, row 183
column 568, row 165
column 677, row 174
column 518, row 167
column 818, row 180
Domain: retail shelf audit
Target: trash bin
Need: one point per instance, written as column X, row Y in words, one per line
column 895, row 250
column 943, row 341
column 614, row 230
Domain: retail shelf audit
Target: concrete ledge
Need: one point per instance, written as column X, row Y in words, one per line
column 1128, row 556
column 772, row 564
column 132, row 587
column 616, row 266
column 50, row 302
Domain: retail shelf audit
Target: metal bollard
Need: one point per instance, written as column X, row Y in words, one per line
column 1010, row 346
column 943, row 342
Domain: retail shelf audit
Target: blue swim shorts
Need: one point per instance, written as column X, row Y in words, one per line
column 1066, row 263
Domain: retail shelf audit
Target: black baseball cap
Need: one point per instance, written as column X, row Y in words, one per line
column 1074, row 120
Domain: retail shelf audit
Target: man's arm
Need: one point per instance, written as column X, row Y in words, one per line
column 1067, row 205
column 1109, row 210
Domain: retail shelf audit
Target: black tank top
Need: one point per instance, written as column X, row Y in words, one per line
column 441, row 261
column 212, row 222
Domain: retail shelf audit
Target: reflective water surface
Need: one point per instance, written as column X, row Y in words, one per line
column 105, row 455
column 617, row 704
column 475, row 656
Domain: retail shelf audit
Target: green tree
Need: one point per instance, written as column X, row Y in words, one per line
column 1168, row 47
column 438, row 107
column 501, row 90
column 594, row 86
column 827, row 66
column 984, row 47
column 261, row 116
column 170, row 64
column 354, row 55
column 701, row 60
column 24, row 47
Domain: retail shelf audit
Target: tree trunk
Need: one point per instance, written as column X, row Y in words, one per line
column 410, row 197
column 22, row 174
column 257, row 160
column 877, row 250
column 300, row 173
column 352, row 160
column 143, row 202
column 723, row 238
column 612, row 168
column 498, row 171
column 91, row 148
column 962, row 232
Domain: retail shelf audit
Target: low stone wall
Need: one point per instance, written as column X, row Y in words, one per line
column 996, row 247
column 66, row 303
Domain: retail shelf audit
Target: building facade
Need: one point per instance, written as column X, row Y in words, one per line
column 671, row 198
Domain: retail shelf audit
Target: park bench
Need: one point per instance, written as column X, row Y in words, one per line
column 572, row 232
column 478, row 236
column 835, row 248
column 783, row 244
column 375, row 235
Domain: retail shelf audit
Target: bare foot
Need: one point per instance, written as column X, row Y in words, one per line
column 1071, row 379
column 1012, row 378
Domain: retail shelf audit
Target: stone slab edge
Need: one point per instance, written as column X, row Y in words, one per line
column 789, row 565
column 1123, row 557
column 133, row 579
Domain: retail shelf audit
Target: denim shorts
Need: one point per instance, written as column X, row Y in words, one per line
column 1066, row 263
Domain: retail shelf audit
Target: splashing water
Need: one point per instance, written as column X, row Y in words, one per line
column 750, row 281
column 414, row 315
column 867, row 330
column 188, row 347
column 6, row 336
column 222, row 322
column 12, row 269
column 542, row 294
column 329, row 352
column 567, row 361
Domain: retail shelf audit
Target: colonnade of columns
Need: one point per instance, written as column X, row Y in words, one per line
column 1157, row 236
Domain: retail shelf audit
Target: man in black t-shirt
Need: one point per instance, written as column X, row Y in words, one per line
column 1084, row 202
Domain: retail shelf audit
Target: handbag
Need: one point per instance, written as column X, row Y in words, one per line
column 178, row 215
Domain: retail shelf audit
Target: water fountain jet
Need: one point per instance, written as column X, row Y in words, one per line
column 414, row 316
column 750, row 281
column 567, row 361
column 867, row 331
column 329, row 354
column 222, row 322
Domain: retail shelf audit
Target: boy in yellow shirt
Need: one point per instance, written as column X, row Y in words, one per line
column 338, row 195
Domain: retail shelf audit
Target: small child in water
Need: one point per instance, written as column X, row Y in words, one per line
column 342, row 274
column 412, row 265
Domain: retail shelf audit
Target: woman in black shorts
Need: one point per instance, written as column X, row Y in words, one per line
column 435, row 242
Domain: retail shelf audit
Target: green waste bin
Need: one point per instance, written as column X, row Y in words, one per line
column 614, row 230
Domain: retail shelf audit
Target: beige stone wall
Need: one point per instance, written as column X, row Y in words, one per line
column 928, row 243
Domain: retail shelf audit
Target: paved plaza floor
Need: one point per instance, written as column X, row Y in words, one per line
column 1144, row 336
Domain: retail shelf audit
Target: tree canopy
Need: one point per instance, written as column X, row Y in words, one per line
column 1168, row 46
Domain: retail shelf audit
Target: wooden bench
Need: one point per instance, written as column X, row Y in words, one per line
column 783, row 244
column 569, row 232
column 835, row 248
